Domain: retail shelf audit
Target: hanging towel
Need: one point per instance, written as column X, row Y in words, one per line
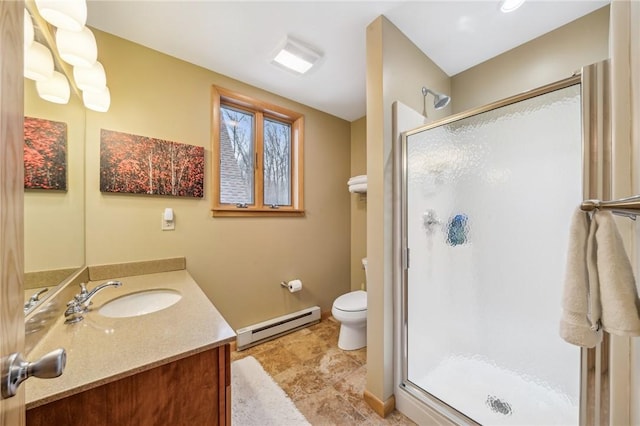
column 357, row 180
column 599, row 289
column 577, row 325
column 618, row 294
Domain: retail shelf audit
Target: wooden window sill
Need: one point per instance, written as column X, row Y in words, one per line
column 255, row 212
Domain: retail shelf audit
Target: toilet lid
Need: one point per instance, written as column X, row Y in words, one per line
column 352, row 302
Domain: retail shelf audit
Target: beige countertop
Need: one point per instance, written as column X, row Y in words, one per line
column 101, row 349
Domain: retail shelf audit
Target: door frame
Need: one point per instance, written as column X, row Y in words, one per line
column 12, row 411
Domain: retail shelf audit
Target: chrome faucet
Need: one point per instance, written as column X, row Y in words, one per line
column 81, row 301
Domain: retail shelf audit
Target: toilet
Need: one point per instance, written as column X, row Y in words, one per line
column 351, row 311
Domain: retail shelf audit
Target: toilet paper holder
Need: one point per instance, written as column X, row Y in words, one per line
column 293, row 286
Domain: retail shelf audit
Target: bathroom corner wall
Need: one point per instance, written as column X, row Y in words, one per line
column 238, row 262
column 396, row 71
column 358, row 203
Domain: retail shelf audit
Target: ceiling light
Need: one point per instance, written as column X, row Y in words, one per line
column 77, row 48
column 91, row 79
column 66, row 14
column 97, row 100
column 28, row 29
column 38, row 62
column 295, row 56
column 507, row 6
column 55, row 89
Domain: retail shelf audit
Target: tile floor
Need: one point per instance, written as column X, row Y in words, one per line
column 324, row 382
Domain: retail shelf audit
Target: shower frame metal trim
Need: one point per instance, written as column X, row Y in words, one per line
column 561, row 84
column 597, row 155
column 594, row 99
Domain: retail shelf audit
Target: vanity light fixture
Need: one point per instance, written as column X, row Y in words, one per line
column 97, row 100
column 38, row 62
column 74, row 44
column 28, row 30
column 77, row 48
column 296, row 56
column 55, row 89
column 91, row 79
column 65, row 14
column 507, row 6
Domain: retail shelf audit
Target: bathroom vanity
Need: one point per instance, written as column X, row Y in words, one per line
column 170, row 366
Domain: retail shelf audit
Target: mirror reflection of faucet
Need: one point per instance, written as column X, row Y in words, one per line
column 34, row 299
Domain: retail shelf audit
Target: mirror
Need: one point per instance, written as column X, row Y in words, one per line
column 53, row 218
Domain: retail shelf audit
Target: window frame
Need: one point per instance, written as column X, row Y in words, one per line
column 224, row 97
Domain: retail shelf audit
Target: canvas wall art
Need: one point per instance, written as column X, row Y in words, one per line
column 45, row 154
column 142, row 165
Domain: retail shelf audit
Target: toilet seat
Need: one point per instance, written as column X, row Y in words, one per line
column 355, row 301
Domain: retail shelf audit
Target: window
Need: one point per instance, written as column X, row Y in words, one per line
column 257, row 157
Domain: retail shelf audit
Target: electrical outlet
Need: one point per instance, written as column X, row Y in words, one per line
column 167, row 225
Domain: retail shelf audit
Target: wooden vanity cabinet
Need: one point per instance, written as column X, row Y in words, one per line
column 195, row 390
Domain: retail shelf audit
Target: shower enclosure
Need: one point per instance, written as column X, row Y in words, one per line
column 486, row 199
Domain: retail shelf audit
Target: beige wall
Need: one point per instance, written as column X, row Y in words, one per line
column 549, row 58
column 238, row 262
column 396, row 71
column 358, row 204
column 54, row 220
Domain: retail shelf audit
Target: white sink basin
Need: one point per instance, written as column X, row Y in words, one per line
column 140, row 303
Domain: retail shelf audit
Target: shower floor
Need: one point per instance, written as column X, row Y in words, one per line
column 492, row 395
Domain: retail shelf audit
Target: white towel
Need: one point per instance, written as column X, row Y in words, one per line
column 599, row 289
column 357, row 180
column 618, row 293
column 576, row 321
column 360, row 187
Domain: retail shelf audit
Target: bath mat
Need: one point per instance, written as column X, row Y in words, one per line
column 257, row 400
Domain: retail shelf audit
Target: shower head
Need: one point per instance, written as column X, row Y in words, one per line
column 440, row 100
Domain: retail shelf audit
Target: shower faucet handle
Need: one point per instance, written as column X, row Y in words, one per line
column 430, row 220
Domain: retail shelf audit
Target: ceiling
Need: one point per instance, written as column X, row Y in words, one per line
column 239, row 38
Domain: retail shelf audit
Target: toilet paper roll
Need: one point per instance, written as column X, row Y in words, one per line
column 295, row 285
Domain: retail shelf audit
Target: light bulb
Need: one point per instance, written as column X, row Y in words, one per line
column 55, row 89
column 38, row 62
column 64, row 14
column 77, row 48
column 90, row 79
column 97, row 100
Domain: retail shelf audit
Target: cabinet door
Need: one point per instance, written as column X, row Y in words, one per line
column 189, row 391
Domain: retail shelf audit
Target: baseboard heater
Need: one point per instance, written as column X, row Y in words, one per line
column 270, row 329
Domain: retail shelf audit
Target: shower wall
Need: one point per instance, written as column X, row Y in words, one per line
column 489, row 199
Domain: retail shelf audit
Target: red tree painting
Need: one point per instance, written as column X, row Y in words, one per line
column 142, row 165
column 45, row 154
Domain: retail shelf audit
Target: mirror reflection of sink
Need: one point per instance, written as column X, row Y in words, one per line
column 140, row 303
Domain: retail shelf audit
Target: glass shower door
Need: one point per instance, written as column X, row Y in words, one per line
column 487, row 204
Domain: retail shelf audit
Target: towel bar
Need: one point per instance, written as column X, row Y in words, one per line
column 629, row 207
